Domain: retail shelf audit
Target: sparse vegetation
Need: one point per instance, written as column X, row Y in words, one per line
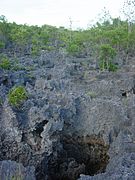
column 1, row 101
column 108, row 37
column 92, row 94
column 2, row 45
column 61, row 109
column 17, row 177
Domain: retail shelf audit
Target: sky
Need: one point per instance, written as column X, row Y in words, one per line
column 82, row 13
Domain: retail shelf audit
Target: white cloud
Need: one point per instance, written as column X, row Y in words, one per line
column 57, row 12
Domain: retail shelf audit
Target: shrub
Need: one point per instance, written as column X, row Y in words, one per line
column 5, row 63
column 17, row 95
column 113, row 67
column 2, row 45
column 107, row 54
column 73, row 48
column 35, row 50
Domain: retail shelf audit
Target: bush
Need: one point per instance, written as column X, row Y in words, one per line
column 107, row 54
column 2, row 45
column 35, row 50
column 17, row 95
column 5, row 63
column 113, row 67
column 73, row 48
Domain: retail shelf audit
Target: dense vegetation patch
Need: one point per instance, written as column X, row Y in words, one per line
column 17, row 95
column 5, row 63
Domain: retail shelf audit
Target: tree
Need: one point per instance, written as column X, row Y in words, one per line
column 4, row 30
column 129, row 13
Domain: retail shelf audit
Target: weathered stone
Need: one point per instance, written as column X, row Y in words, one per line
column 12, row 170
column 76, row 120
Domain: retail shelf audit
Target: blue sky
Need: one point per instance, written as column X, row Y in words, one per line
column 58, row 12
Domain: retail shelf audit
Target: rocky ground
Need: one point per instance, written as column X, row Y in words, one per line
column 77, row 123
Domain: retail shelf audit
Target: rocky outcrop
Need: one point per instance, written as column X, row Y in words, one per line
column 120, row 167
column 12, row 170
column 78, row 122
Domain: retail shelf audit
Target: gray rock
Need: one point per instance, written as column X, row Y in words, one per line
column 75, row 118
column 12, row 170
column 120, row 167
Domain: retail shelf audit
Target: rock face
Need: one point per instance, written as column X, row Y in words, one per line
column 120, row 167
column 12, row 170
column 78, row 122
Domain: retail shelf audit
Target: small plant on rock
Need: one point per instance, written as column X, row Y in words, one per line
column 1, row 101
column 91, row 94
column 2, row 45
column 5, row 63
column 17, row 95
column 16, row 178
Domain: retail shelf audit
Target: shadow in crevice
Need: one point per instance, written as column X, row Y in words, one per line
column 78, row 155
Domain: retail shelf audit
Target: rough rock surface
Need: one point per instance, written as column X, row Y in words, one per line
column 12, row 170
column 77, row 121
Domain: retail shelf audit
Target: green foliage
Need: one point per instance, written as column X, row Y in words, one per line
column 35, row 50
column 17, row 67
column 107, row 54
column 92, row 94
column 21, row 37
column 2, row 45
column 73, row 48
column 103, row 40
column 85, row 76
column 5, row 63
column 17, row 95
column 4, row 28
column 17, row 177
column 1, row 101
column 113, row 67
column 106, row 51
